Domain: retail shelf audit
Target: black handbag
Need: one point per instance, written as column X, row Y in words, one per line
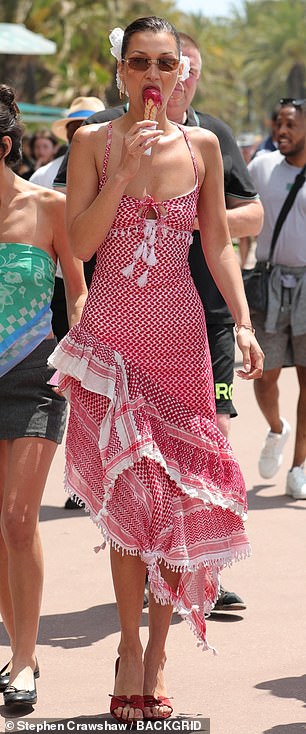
column 256, row 280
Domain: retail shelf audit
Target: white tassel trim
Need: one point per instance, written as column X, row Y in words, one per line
column 144, row 252
column 128, row 271
column 142, row 281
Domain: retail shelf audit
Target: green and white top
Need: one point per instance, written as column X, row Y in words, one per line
column 26, row 288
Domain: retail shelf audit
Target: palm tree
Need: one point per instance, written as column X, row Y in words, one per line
column 220, row 91
column 80, row 28
column 273, row 33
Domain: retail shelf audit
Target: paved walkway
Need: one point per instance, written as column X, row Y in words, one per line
column 257, row 683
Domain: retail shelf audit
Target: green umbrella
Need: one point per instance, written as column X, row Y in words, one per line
column 17, row 39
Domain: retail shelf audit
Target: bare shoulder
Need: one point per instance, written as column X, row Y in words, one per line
column 205, row 139
column 50, row 204
column 89, row 134
column 47, row 197
column 39, row 195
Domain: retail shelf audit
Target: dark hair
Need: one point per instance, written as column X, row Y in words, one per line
column 152, row 24
column 42, row 133
column 10, row 124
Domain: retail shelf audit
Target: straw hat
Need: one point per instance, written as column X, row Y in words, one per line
column 80, row 109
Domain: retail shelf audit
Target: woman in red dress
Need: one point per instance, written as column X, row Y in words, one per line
column 143, row 451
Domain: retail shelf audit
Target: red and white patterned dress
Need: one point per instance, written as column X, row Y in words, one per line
column 143, row 449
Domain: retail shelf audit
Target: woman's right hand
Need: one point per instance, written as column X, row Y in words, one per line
column 139, row 138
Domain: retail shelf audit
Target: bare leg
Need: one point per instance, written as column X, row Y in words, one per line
column 29, row 461
column 267, row 396
column 6, row 609
column 223, row 423
column 129, row 574
column 300, row 438
column 155, row 654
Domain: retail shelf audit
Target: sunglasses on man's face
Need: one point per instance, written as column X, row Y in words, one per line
column 141, row 63
column 290, row 101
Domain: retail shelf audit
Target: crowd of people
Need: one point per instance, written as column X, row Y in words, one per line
column 146, row 359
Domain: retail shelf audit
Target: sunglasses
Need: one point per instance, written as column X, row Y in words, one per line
column 291, row 101
column 141, row 63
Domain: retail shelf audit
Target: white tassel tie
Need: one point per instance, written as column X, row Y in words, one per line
column 142, row 280
column 145, row 251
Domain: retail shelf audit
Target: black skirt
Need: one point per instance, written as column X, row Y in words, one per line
column 28, row 406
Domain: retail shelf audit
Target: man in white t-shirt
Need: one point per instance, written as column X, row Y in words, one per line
column 281, row 331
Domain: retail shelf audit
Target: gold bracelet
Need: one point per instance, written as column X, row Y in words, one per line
column 249, row 327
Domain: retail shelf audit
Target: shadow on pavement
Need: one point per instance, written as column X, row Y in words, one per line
column 296, row 728
column 286, row 688
column 49, row 512
column 258, row 501
column 225, row 617
column 15, row 712
column 81, row 628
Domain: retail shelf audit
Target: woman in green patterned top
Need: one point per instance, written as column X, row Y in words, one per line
column 32, row 414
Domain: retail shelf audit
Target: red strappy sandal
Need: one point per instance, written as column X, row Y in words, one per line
column 134, row 701
column 151, row 701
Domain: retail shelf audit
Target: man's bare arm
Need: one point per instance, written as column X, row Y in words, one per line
column 244, row 217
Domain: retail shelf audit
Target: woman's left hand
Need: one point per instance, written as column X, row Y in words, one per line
column 253, row 356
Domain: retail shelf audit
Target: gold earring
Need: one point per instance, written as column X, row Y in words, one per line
column 122, row 89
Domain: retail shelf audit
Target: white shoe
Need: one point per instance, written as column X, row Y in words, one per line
column 296, row 483
column 271, row 456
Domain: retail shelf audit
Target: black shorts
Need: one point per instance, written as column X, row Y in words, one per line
column 222, row 349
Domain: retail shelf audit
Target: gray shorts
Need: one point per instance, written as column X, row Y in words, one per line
column 281, row 349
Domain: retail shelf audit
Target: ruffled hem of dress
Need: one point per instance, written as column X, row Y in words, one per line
column 208, row 498
column 222, row 561
column 101, row 378
column 160, row 589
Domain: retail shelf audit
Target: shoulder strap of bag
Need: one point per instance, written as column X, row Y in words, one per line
column 298, row 182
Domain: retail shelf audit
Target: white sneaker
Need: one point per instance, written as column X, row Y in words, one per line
column 296, row 483
column 271, row 456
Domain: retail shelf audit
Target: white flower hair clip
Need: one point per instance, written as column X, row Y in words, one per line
column 116, row 38
column 185, row 60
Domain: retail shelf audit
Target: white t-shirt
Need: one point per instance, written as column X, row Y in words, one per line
column 45, row 175
column 273, row 177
